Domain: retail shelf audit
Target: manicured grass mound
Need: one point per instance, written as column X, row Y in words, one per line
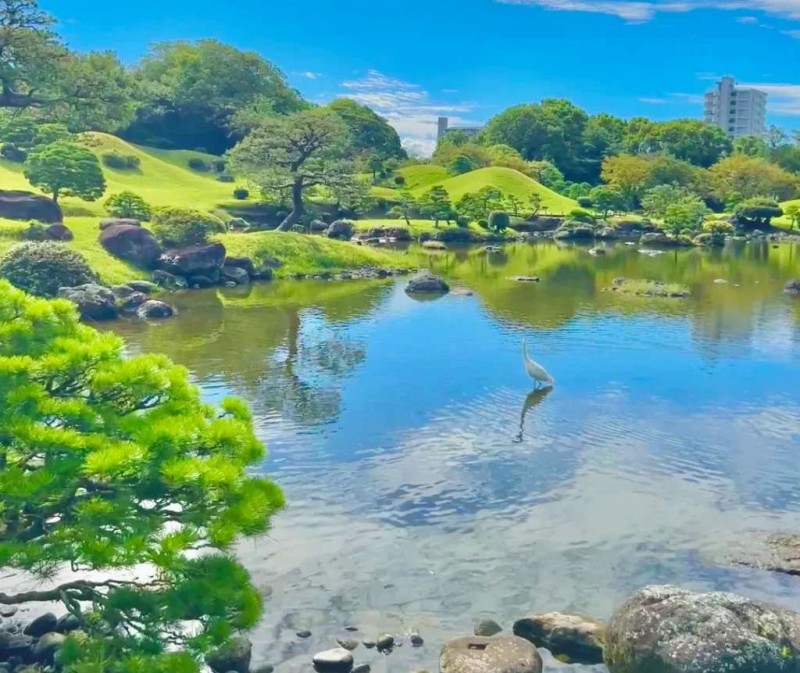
column 309, row 254
column 423, row 175
column 508, row 181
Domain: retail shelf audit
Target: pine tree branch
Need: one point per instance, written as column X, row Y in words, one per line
column 81, row 590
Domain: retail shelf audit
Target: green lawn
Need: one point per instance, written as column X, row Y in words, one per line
column 310, row 254
column 508, row 181
column 784, row 222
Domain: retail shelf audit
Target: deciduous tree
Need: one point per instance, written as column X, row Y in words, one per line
column 65, row 169
column 629, row 174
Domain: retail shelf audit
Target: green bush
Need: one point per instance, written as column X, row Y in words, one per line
column 581, row 215
column 585, row 201
column 240, row 193
column 13, row 153
column 395, row 213
column 121, row 162
column 718, row 227
column 499, row 220
column 197, row 164
column 219, row 165
column 399, row 180
column 128, row 204
column 224, row 177
column 178, row 227
column 36, row 231
column 758, row 211
column 42, row 268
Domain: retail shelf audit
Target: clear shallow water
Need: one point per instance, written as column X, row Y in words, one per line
column 426, row 487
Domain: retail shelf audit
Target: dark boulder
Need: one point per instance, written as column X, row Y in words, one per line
column 400, row 234
column 20, row 205
column 58, row 232
column 341, row 229
column 487, row 628
column 663, row 240
column 195, row 260
column 122, row 291
column 132, row 302
column 144, row 286
column 234, row 656
column 42, row 624
column 94, row 302
column 13, row 645
column 665, row 629
column 792, row 287
column 317, row 226
column 242, row 263
column 426, row 283
column 572, row 636
column 132, row 243
column 155, row 310
column 235, row 274
column 168, row 281
column 67, row 623
column 114, row 221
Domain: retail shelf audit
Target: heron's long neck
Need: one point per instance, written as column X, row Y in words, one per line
column 525, row 347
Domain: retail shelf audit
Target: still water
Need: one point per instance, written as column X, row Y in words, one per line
column 427, row 487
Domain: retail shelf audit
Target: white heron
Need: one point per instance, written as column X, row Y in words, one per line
column 538, row 373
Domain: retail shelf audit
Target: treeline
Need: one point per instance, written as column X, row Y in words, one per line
column 566, row 149
column 201, row 95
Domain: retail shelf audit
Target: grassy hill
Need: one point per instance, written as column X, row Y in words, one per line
column 508, row 181
column 423, row 175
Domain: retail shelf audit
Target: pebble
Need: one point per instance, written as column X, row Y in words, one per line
column 416, row 640
column 351, row 628
column 369, row 644
column 348, row 644
column 8, row 610
column 363, row 668
column 333, row 661
column 266, row 668
column 304, row 634
column 385, row 642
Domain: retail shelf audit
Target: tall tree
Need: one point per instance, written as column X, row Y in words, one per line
column 288, row 155
column 109, row 465
column 371, row 133
column 629, row 174
column 740, row 177
column 435, row 203
column 192, row 90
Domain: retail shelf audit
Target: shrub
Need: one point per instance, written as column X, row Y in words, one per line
column 225, row 178
column 121, row 162
column 381, row 203
column 219, row 165
column 36, row 231
column 758, row 211
column 581, row 215
column 128, row 204
column 718, row 227
column 399, row 180
column 499, row 220
column 199, row 165
column 483, row 223
column 13, row 153
column 178, row 227
column 240, row 193
column 42, row 268
column 585, row 201
column 395, row 213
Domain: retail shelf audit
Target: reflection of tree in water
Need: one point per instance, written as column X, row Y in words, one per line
column 285, row 348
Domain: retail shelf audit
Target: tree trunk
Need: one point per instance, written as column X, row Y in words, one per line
column 297, row 206
column 55, row 196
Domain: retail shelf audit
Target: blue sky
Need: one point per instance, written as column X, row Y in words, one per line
column 468, row 59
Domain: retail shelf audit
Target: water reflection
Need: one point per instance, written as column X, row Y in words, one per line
column 533, row 399
column 427, row 486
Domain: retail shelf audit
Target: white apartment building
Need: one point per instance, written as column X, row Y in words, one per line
column 443, row 128
column 737, row 111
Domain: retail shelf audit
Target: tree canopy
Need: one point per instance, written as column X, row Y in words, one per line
column 370, row 133
column 109, row 464
column 66, row 169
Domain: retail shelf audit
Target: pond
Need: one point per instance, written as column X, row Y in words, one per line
column 427, row 487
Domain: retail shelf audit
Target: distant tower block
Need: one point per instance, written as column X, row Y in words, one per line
column 444, row 123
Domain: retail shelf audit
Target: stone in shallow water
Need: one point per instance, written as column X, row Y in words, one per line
column 337, row 660
column 386, row 642
column 304, row 634
column 369, row 644
column 363, row 668
column 416, row 640
column 487, row 628
column 671, row 630
column 501, row 654
column 348, row 644
column 577, row 638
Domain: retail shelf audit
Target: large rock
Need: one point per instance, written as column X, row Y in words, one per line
column 42, row 624
column 235, row 656
column 47, row 646
column 20, row 205
column 235, row 274
column 709, row 240
column 132, row 302
column 114, row 221
column 196, row 260
column 94, row 302
column 15, row 645
column 426, row 283
column 390, row 233
column 338, row 660
column 144, row 286
column 570, row 232
column 155, row 310
column 241, row 263
column 59, row 232
column 577, row 638
column 132, row 243
column 487, row 628
column 664, row 629
column 341, row 229
column 477, row 654
column 67, row 623
column 660, row 239
column 792, row 286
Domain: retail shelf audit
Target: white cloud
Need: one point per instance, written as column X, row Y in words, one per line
column 673, row 98
column 637, row 11
column 784, row 99
column 747, row 19
column 793, row 33
column 654, row 101
column 309, row 74
column 407, row 107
